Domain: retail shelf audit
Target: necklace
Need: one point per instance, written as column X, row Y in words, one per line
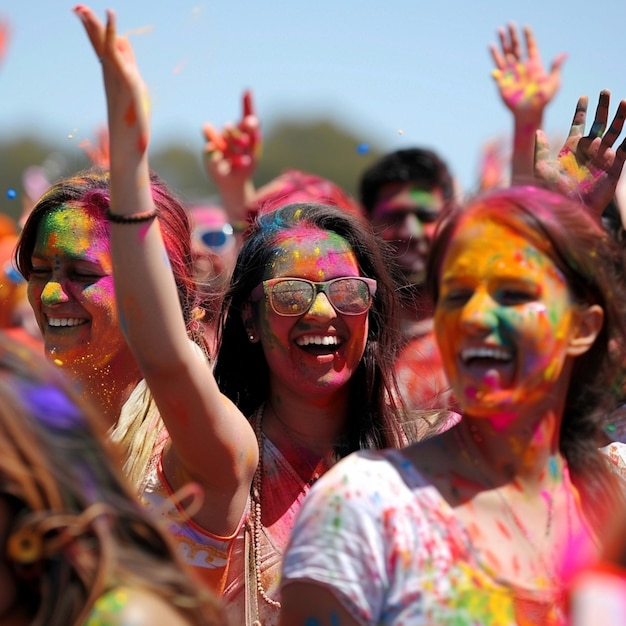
column 255, row 525
column 255, row 514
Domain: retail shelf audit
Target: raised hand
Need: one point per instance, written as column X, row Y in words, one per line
column 526, row 89
column 231, row 155
column 523, row 84
column 127, row 96
column 587, row 167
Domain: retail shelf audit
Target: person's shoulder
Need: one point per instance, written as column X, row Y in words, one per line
column 363, row 472
column 133, row 606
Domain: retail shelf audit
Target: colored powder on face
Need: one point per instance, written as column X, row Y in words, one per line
column 296, row 257
column 51, row 293
column 71, row 230
column 423, row 198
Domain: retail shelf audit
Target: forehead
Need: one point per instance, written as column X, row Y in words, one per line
column 306, row 250
column 72, row 230
column 481, row 244
column 408, row 196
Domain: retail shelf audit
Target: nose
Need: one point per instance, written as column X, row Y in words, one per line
column 479, row 313
column 321, row 307
column 410, row 226
column 53, row 293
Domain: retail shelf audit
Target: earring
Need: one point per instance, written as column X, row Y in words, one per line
column 252, row 337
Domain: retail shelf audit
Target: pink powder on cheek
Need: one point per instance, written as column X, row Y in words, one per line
column 102, row 294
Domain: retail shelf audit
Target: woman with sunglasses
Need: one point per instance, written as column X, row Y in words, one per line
column 303, row 371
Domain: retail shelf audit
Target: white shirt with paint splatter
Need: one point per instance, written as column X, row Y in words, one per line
column 391, row 549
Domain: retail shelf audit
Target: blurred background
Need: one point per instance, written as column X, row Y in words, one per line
column 335, row 82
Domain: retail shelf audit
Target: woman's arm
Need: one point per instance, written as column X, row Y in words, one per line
column 212, row 442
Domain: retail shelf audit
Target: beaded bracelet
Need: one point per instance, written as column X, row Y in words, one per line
column 137, row 218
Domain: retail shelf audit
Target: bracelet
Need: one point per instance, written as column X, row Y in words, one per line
column 137, row 218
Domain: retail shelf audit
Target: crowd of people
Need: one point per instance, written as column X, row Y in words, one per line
column 304, row 408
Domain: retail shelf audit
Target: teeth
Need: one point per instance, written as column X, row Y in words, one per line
column 486, row 353
column 65, row 321
column 317, row 340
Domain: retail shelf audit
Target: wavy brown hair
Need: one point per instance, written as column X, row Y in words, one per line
column 85, row 532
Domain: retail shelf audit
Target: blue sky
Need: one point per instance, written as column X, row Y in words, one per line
column 398, row 72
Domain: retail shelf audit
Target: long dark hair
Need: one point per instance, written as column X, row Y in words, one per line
column 241, row 369
column 586, row 255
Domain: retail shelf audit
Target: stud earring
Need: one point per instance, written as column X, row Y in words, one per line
column 252, row 337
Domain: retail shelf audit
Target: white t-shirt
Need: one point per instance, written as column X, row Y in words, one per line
column 392, row 550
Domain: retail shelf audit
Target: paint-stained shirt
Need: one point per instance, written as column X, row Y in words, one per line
column 377, row 534
column 219, row 562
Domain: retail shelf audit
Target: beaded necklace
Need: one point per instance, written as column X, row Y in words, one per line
column 255, row 524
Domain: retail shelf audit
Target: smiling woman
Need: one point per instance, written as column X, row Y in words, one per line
column 485, row 523
column 64, row 252
column 303, row 371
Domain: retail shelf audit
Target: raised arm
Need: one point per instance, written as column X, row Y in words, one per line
column 526, row 89
column 230, row 157
column 211, row 441
column 587, row 167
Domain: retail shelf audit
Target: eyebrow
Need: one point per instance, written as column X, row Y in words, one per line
column 69, row 256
